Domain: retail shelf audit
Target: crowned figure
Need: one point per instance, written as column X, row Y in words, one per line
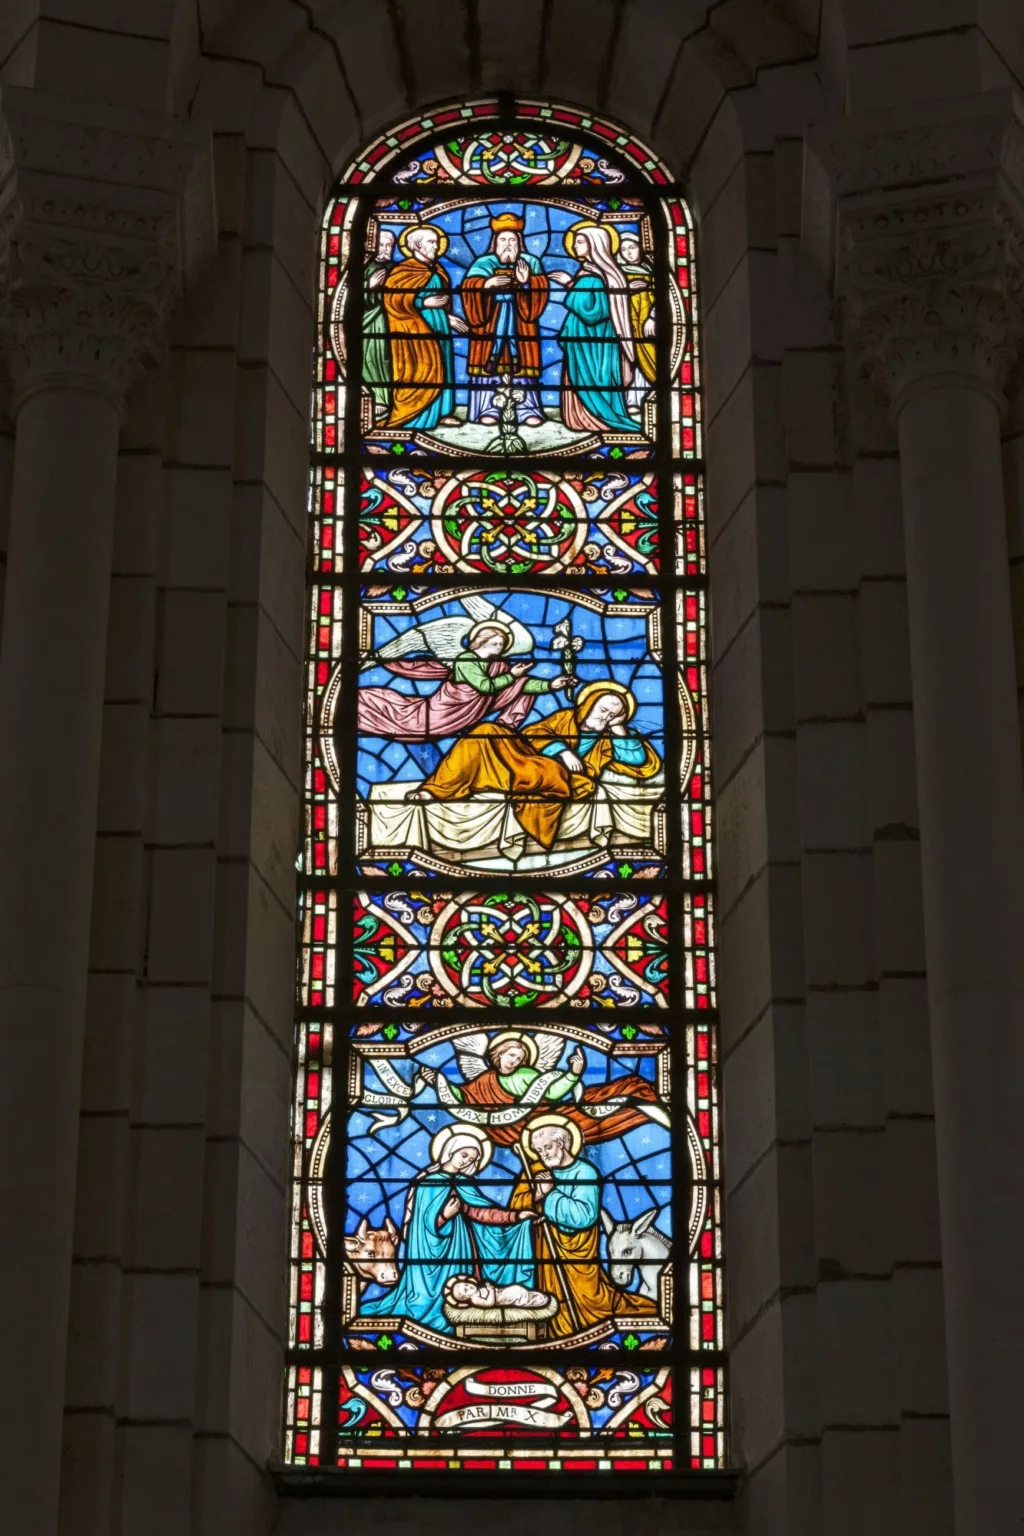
column 503, row 295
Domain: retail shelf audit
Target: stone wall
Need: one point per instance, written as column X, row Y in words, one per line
column 838, row 1380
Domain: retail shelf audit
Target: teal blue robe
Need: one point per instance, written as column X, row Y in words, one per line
column 592, row 353
column 575, row 1202
column 503, row 1253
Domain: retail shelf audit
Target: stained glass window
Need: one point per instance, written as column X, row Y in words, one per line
column 506, row 1218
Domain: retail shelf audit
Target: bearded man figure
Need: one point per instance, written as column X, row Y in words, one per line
column 417, row 298
column 563, row 1189
column 504, row 294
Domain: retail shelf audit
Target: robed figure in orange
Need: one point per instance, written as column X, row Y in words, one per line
column 559, row 759
column 503, row 294
column 417, row 299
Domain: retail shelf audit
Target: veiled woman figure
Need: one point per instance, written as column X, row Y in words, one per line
column 598, row 349
column 560, row 758
column 450, row 1228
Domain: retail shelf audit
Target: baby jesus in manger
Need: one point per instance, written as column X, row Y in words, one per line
column 466, row 1291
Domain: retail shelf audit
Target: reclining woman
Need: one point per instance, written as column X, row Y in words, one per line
column 559, row 759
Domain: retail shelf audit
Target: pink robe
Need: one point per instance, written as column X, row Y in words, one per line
column 451, row 709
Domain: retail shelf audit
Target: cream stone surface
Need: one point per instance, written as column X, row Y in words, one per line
column 856, row 174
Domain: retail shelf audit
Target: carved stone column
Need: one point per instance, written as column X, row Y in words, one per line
column 929, row 272
column 101, row 215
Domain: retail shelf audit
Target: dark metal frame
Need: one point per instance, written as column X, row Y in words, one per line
column 349, row 459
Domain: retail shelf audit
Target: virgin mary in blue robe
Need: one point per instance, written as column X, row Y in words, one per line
column 597, row 339
column 477, row 1239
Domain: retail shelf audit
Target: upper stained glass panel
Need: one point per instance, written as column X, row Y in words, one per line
column 504, row 327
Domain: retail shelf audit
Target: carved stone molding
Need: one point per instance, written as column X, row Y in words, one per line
column 928, row 242
column 104, row 215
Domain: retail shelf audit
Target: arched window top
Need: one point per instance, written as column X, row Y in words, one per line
column 488, row 143
column 506, row 1246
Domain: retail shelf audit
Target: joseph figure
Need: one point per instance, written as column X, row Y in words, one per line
column 565, row 1191
column 552, row 762
column 504, row 294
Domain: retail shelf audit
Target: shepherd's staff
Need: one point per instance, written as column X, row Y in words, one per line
column 545, row 1227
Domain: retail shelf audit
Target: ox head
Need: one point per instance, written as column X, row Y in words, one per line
column 371, row 1252
column 625, row 1244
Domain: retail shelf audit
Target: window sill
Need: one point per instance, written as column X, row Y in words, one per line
column 328, row 1482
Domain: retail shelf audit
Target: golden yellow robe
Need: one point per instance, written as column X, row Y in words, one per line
column 494, row 757
column 641, row 302
column 420, row 343
column 568, row 1267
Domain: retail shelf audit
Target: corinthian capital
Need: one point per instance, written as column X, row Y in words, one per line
column 104, row 215
column 928, row 230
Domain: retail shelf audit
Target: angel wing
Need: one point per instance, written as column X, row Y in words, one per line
column 445, row 638
column 549, row 1050
column 472, row 1053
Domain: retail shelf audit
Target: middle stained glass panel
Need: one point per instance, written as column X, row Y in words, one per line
column 506, row 731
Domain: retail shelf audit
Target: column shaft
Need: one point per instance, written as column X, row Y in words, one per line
column 971, row 795
column 51, row 716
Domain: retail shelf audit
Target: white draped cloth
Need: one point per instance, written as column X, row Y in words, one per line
column 462, row 829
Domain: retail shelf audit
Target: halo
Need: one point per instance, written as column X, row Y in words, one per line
column 480, row 624
column 563, row 1123
column 595, row 689
column 584, row 224
column 526, row 1041
column 445, row 1134
column 403, row 239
